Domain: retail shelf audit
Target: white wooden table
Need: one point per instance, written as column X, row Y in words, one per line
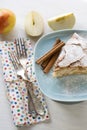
column 63, row 116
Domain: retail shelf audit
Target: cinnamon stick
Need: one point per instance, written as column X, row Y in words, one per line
column 44, row 64
column 51, row 62
column 50, row 53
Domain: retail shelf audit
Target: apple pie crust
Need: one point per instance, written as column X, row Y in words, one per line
column 73, row 57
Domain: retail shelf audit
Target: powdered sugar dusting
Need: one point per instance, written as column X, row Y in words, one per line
column 74, row 50
column 72, row 85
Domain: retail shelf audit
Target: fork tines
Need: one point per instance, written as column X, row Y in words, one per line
column 20, row 47
column 15, row 61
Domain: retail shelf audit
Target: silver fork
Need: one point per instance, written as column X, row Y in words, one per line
column 21, row 51
column 17, row 65
column 20, row 73
column 22, row 56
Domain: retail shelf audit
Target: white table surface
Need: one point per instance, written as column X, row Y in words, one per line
column 63, row 116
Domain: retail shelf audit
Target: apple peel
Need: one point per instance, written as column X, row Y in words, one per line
column 65, row 21
column 7, row 21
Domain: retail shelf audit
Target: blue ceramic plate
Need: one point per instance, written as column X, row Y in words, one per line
column 66, row 89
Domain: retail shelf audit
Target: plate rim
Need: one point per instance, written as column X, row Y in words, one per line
column 84, row 98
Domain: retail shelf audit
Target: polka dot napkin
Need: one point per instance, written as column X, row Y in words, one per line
column 19, row 99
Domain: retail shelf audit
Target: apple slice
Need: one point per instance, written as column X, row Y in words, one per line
column 34, row 25
column 60, row 22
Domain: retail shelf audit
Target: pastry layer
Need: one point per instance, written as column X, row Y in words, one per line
column 73, row 57
column 59, row 72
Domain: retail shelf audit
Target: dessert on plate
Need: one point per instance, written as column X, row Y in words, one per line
column 72, row 58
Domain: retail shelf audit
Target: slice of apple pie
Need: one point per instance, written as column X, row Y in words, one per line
column 73, row 57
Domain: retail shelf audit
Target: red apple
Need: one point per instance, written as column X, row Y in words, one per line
column 7, row 20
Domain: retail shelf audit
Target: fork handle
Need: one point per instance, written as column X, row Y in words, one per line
column 36, row 101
